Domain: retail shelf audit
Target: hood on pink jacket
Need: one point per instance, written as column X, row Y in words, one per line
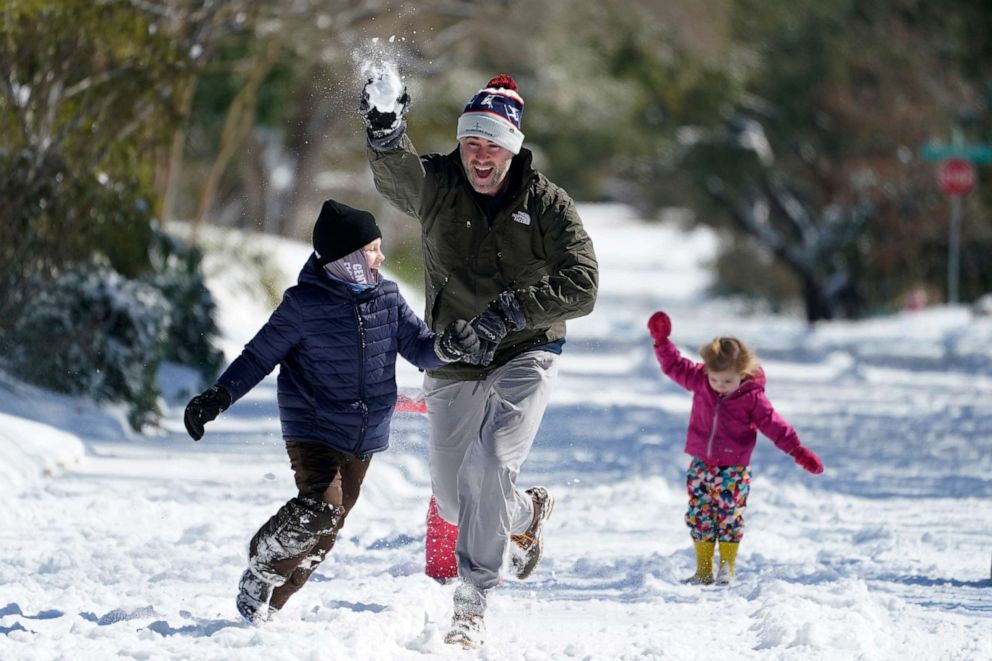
column 723, row 430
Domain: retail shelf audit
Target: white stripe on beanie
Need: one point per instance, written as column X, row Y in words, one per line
column 494, row 113
column 491, row 127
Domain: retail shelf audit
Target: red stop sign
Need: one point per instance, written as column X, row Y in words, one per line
column 956, row 176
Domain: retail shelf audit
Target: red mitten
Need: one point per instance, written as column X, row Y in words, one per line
column 660, row 327
column 807, row 459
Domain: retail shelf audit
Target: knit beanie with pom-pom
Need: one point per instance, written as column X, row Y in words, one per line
column 494, row 113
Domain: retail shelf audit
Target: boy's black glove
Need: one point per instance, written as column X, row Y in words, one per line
column 384, row 128
column 205, row 407
column 457, row 341
column 502, row 315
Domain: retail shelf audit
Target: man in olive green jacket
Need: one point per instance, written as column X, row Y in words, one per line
column 506, row 247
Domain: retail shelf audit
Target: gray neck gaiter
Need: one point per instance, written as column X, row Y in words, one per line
column 352, row 268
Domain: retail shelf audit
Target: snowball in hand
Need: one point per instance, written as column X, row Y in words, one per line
column 384, row 91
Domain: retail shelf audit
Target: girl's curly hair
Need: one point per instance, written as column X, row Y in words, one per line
column 725, row 353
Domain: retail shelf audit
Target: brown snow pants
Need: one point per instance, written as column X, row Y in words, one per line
column 297, row 538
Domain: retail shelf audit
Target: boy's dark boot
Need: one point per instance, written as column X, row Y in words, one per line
column 253, row 598
column 300, row 575
column 278, row 549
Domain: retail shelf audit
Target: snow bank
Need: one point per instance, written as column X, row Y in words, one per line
column 32, row 450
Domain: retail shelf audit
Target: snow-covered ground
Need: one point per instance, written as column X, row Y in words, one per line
column 117, row 545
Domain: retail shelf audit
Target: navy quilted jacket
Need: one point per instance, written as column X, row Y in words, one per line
column 336, row 350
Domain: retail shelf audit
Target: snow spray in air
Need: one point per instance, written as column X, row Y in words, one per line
column 378, row 62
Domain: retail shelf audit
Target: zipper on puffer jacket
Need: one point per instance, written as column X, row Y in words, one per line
column 361, row 378
column 716, row 419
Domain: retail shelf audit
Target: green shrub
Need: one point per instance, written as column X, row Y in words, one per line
column 177, row 275
column 57, row 217
column 92, row 332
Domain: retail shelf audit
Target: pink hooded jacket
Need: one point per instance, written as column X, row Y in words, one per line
column 722, row 430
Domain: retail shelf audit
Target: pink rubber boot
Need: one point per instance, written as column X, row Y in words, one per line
column 440, row 546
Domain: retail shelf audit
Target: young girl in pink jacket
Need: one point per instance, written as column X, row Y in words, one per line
column 729, row 407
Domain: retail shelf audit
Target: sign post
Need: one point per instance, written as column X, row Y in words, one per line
column 956, row 177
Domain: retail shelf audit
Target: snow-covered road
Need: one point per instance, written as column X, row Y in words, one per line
column 133, row 547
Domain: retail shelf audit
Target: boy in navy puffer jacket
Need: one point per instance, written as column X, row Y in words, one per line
column 729, row 407
column 335, row 337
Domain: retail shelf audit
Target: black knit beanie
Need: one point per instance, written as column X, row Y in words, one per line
column 341, row 230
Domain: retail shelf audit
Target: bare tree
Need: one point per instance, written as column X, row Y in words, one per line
column 323, row 40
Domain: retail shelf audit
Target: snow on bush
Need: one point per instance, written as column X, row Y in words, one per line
column 192, row 330
column 93, row 332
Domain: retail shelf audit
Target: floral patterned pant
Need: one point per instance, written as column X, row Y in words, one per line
column 717, row 498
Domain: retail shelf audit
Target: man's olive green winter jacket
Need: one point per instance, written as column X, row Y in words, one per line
column 536, row 246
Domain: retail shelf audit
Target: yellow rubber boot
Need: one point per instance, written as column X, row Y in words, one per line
column 704, row 564
column 728, row 556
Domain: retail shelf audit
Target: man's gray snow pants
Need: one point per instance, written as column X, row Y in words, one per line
column 481, row 433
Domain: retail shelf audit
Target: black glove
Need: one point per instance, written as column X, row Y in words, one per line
column 502, row 315
column 457, row 340
column 485, row 354
column 205, row 407
column 384, row 128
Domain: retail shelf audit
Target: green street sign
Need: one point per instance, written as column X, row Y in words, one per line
column 974, row 153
